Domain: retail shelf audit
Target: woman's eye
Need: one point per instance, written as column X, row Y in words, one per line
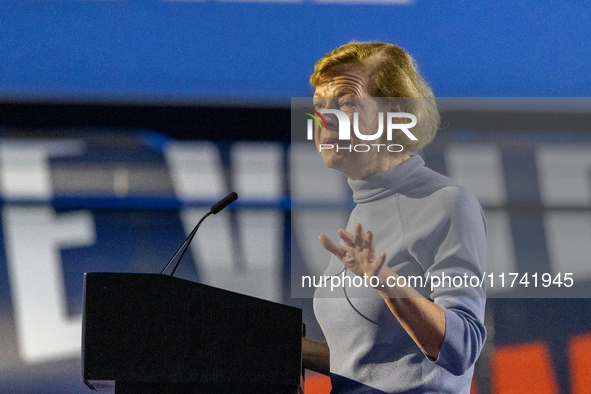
column 318, row 106
column 346, row 104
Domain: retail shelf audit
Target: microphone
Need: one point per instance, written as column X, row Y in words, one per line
column 224, row 202
column 215, row 208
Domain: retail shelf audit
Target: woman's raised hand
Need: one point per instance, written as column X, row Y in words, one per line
column 358, row 254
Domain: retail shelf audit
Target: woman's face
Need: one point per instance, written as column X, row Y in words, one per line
column 349, row 93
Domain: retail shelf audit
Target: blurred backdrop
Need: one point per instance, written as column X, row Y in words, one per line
column 121, row 122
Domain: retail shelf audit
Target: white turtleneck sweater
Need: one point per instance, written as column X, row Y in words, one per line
column 429, row 226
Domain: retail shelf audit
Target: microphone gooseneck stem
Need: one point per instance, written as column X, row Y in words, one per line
column 188, row 241
column 217, row 207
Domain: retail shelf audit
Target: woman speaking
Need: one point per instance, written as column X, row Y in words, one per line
column 412, row 327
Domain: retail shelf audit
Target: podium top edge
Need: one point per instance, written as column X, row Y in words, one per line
column 105, row 276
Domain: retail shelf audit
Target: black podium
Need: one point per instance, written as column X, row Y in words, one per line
column 150, row 333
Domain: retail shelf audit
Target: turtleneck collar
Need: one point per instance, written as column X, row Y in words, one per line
column 386, row 182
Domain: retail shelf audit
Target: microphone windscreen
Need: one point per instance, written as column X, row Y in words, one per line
column 224, row 202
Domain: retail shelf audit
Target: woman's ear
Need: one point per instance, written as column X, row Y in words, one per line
column 397, row 104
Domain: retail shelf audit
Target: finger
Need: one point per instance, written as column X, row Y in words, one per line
column 371, row 246
column 359, row 237
column 332, row 247
column 348, row 238
column 379, row 262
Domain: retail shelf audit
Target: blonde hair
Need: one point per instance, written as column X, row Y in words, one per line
column 391, row 72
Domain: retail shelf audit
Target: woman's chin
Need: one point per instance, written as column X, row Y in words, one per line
column 334, row 160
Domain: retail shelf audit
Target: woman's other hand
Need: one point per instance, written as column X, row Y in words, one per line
column 358, row 254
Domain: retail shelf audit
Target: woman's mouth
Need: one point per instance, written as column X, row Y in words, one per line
column 330, row 141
